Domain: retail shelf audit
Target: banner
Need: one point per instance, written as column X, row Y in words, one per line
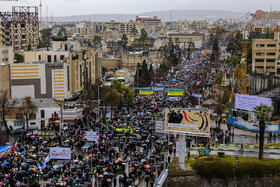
column 122, row 129
column 60, row 153
column 91, row 136
column 189, row 121
column 146, row 92
column 247, row 102
column 175, row 93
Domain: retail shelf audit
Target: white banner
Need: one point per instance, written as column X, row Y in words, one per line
column 60, row 153
column 247, row 102
column 91, row 136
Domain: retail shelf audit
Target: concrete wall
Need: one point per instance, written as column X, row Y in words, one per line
column 197, row 181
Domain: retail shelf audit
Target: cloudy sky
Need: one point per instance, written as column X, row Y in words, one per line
column 83, row 7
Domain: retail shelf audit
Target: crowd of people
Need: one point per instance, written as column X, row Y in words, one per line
column 127, row 152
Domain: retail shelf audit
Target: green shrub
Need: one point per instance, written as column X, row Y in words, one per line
column 220, row 149
column 251, row 169
column 221, row 154
column 213, row 169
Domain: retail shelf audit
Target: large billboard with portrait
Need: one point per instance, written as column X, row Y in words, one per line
column 189, row 121
column 248, row 102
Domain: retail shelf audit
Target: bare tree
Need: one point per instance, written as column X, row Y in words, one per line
column 28, row 108
column 6, row 105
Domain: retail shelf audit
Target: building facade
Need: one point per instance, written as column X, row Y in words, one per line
column 20, row 28
column 45, row 80
column 6, row 55
column 265, row 55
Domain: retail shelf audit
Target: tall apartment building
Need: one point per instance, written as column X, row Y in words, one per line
column 20, row 28
column 6, row 55
column 84, row 68
column 265, row 55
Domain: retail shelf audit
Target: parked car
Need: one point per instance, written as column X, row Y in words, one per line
column 18, row 131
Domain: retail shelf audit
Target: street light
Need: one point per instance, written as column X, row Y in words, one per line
column 98, row 102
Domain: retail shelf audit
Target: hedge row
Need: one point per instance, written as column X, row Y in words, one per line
column 225, row 169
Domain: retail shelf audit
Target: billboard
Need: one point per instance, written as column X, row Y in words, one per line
column 188, row 121
column 60, row 153
column 91, row 136
column 247, row 102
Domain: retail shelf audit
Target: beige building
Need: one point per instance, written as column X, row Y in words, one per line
column 130, row 61
column 6, row 55
column 45, row 56
column 112, row 63
column 84, row 68
column 5, row 78
column 265, row 55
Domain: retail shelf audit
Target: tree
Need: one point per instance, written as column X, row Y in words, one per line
column 46, row 35
column 263, row 112
column 5, row 108
column 134, row 30
column 97, row 42
column 124, row 41
column 190, row 48
column 19, row 58
column 215, row 50
column 28, row 108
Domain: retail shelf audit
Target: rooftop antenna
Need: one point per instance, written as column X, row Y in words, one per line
column 40, row 11
column 47, row 14
column 51, row 18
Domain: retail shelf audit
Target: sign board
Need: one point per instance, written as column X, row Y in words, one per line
column 60, row 153
column 188, row 121
column 247, row 102
column 91, row 136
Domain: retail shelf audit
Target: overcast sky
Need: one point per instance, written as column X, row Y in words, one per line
column 83, row 7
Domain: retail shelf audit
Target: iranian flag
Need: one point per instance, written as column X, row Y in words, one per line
column 15, row 146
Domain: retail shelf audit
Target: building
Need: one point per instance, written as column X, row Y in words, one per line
column 184, row 38
column 46, row 110
column 84, row 68
column 5, row 78
column 20, row 28
column 130, row 61
column 112, row 63
column 6, row 55
column 148, row 21
column 40, row 80
column 45, row 56
column 265, row 55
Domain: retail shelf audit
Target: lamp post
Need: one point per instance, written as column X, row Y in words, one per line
column 98, row 104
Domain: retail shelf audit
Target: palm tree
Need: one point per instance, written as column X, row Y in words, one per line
column 263, row 112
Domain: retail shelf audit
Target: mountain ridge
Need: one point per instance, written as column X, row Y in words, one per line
column 163, row 15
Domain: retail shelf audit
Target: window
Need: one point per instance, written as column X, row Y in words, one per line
column 259, row 60
column 61, row 57
column 39, row 57
column 55, row 59
column 259, row 54
column 270, row 54
column 19, row 116
column 42, row 113
column 19, row 124
column 270, row 67
column 49, row 58
column 259, row 45
column 271, row 45
column 270, row 60
column 259, row 67
column 33, row 123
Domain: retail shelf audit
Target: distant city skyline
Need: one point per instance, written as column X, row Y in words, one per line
column 85, row 7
